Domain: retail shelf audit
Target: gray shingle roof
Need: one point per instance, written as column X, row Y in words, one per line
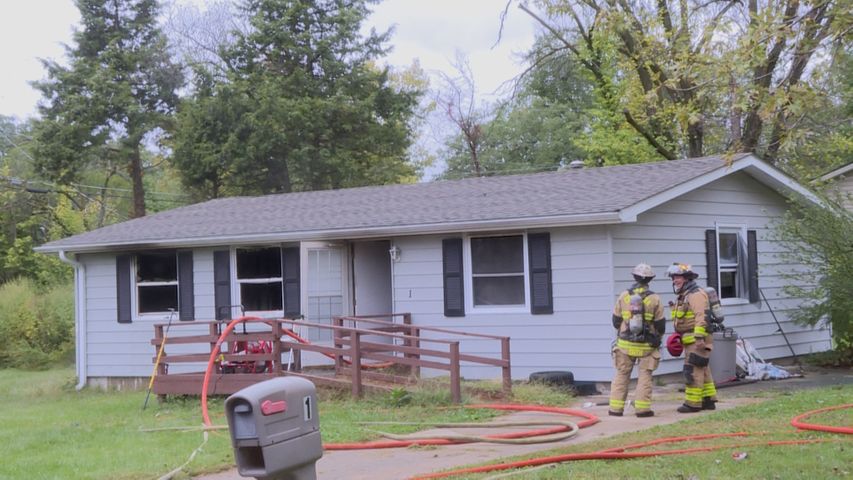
column 404, row 208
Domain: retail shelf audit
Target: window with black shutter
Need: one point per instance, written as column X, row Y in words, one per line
column 499, row 272
column 732, row 257
column 157, row 283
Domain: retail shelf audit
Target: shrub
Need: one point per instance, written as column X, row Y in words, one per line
column 37, row 325
column 820, row 239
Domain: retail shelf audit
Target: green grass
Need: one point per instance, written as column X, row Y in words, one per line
column 50, row 431
column 830, row 460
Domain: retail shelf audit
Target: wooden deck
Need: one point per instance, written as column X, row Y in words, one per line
column 359, row 346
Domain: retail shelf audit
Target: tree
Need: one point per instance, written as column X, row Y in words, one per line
column 538, row 129
column 116, row 95
column 698, row 77
column 458, row 102
column 302, row 107
column 819, row 238
column 28, row 215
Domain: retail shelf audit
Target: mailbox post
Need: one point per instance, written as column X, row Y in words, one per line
column 275, row 429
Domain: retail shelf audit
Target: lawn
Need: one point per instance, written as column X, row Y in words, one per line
column 769, row 420
column 50, row 431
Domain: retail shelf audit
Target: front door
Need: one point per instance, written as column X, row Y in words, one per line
column 372, row 278
column 326, row 290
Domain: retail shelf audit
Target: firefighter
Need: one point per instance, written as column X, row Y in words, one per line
column 639, row 322
column 689, row 317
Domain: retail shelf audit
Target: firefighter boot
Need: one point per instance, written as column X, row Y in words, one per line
column 708, row 404
column 685, row 408
column 647, row 413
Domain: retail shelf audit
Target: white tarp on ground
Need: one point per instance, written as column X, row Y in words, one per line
column 751, row 366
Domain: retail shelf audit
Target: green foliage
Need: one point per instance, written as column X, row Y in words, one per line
column 28, row 214
column 117, row 93
column 820, row 239
column 303, row 107
column 38, row 325
column 538, row 130
column 693, row 78
column 399, row 397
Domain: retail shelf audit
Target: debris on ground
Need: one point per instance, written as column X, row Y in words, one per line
column 751, row 366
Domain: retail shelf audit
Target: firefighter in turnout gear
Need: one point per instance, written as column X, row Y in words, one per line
column 639, row 321
column 689, row 317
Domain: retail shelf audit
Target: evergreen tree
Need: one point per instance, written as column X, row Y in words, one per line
column 117, row 94
column 303, row 107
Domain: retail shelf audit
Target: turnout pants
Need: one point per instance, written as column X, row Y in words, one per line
column 698, row 383
column 624, row 364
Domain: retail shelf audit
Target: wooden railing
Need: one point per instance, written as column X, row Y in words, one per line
column 411, row 336
column 354, row 349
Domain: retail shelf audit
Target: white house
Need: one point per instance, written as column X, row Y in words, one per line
column 539, row 258
column 840, row 182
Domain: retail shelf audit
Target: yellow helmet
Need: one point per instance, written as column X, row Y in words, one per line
column 682, row 269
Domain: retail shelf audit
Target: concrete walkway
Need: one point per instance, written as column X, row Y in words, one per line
column 399, row 463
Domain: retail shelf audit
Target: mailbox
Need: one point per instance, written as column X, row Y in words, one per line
column 275, row 429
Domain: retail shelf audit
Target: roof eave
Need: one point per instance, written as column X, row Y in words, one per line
column 757, row 169
column 838, row 171
column 598, row 218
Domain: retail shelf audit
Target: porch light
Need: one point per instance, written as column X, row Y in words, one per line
column 394, row 252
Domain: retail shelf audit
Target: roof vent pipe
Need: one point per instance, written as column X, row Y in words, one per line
column 576, row 164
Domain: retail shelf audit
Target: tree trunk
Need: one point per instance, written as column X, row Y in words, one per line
column 695, row 139
column 135, row 168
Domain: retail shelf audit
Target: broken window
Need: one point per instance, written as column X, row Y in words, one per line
column 259, row 279
column 156, row 282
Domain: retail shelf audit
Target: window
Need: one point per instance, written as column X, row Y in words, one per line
column 259, row 279
column 156, row 283
column 497, row 271
column 732, row 266
column 733, row 262
column 502, row 273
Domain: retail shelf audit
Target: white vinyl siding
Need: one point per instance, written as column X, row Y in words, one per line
column 124, row 349
column 675, row 231
column 844, row 188
column 590, row 266
column 572, row 338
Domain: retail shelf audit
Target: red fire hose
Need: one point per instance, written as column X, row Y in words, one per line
column 621, row 453
column 611, row 453
column 797, row 421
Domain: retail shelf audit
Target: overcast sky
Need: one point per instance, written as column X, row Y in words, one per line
column 428, row 30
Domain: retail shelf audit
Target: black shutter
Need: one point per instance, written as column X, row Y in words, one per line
column 290, row 282
column 123, row 288
column 539, row 251
column 454, row 288
column 752, row 265
column 711, row 257
column 222, row 284
column 186, row 297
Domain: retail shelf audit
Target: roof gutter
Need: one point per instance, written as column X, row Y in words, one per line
column 353, row 233
column 79, row 317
